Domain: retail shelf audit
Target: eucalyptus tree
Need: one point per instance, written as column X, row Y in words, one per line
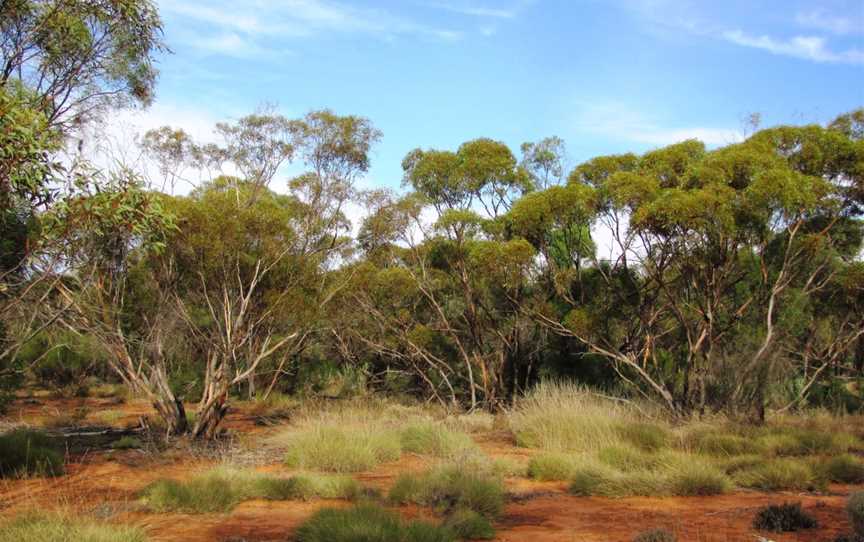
column 713, row 247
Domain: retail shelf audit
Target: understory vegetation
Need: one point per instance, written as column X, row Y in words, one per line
column 57, row 527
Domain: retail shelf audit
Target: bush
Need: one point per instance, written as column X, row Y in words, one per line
column 552, row 466
column 434, row 439
column 127, row 443
column 724, row 444
column 627, row 458
column 844, row 469
column 221, row 489
column 648, row 437
column 692, row 478
column 778, row 474
column 683, row 476
column 368, row 523
column 24, row 452
column 855, row 507
column 781, row 518
column 54, row 528
column 468, row 524
column 451, row 488
column 656, row 535
column 341, row 450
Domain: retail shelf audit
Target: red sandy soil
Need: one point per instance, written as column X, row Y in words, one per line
column 106, row 483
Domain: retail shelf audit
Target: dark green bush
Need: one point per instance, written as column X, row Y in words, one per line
column 782, row 518
column 845, row 469
column 24, row 452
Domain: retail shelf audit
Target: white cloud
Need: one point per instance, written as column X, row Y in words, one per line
column 835, row 24
column 625, row 123
column 805, row 47
column 246, row 23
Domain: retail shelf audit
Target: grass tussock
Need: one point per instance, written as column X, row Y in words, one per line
column 434, row 439
column 778, row 475
column 368, row 523
column 221, row 489
column 56, row 527
column 552, row 466
column 469, row 525
column 656, row 535
column 452, row 487
column 333, row 449
column 24, row 452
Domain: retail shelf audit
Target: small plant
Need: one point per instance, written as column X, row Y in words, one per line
column 368, row 523
column 552, row 466
column 783, row 518
column 434, row 439
column 724, row 444
column 778, row 474
column 656, row 535
column 451, row 488
column 845, row 469
column 52, row 528
column 338, row 450
column 855, row 508
column 127, row 443
column 221, row 489
column 24, row 452
column 468, row 524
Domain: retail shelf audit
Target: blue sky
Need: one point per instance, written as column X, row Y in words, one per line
column 606, row 76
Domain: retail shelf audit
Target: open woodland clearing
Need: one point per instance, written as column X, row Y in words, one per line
column 290, row 327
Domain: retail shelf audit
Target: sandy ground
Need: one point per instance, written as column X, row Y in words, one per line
column 105, row 484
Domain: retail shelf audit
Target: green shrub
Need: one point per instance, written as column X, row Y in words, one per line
column 368, row 523
column 656, row 535
column 451, row 488
column 127, row 443
column 24, row 452
column 844, row 469
column 339, row 450
column 691, row 478
column 221, row 489
column 434, row 439
column 648, row 437
column 777, row 475
column 552, row 466
column 57, row 528
column 794, row 441
column 781, row 518
column 855, row 508
column 468, row 524
column 627, row 458
column 724, row 444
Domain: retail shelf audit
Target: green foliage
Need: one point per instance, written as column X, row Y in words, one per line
column 28, row 453
column 342, row 450
column 434, row 439
column 469, row 525
column 54, row 528
column 778, row 475
column 221, row 489
column 452, row 487
column 656, row 535
column 552, row 466
column 367, row 523
column 723, row 444
column 844, row 469
column 782, row 518
column 127, row 443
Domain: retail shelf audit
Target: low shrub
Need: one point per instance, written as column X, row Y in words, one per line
column 468, row 524
column 341, row 450
column 656, row 535
column 221, row 489
column 434, row 439
column 844, row 469
column 855, row 508
column 450, row 488
column 777, row 475
column 24, row 452
column 782, row 518
column 54, row 528
column 648, row 437
column 552, row 466
column 127, row 443
column 368, row 523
